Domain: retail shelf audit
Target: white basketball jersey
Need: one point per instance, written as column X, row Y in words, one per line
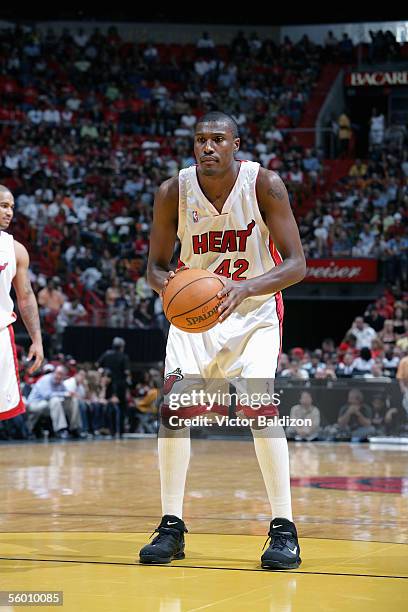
column 7, row 273
column 234, row 243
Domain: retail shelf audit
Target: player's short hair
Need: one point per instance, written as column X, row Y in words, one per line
column 221, row 117
column 4, row 189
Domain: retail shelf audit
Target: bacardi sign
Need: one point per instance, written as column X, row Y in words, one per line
column 377, row 79
column 341, row 271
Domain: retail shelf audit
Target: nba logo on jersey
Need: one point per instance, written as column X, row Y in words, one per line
column 4, row 266
column 195, row 216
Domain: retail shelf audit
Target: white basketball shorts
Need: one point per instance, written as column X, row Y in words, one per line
column 11, row 402
column 244, row 347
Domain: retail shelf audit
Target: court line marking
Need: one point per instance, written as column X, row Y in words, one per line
column 217, row 533
column 312, row 520
column 206, row 567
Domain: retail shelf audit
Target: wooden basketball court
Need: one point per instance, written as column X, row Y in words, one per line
column 74, row 515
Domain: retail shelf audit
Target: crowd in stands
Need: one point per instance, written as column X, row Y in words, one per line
column 90, row 401
column 91, row 124
column 67, row 400
column 365, row 214
column 374, row 350
column 106, row 399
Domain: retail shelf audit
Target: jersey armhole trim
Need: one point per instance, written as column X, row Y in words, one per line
column 182, row 205
column 13, row 246
column 257, row 210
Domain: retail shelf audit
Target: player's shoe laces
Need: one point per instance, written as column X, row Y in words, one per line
column 283, row 551
column 168, row 544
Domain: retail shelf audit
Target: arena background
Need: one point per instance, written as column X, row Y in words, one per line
column 95, row 112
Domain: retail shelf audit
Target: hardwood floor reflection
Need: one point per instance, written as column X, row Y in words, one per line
column 339, row 489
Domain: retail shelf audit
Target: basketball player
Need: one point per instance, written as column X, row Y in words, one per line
column 232, row 218
column 14, row 263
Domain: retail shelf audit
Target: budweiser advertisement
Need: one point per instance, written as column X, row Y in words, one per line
column 341, row 271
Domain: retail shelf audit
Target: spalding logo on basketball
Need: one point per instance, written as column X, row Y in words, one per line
column 190, row 300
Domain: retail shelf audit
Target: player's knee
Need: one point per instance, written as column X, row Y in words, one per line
column 167, row 430
column 258, row 424
column 172, row 422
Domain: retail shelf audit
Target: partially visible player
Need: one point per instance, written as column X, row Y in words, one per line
column 234, row 219
column 14, row 262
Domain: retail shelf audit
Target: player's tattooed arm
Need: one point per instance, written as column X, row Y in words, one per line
column 277, row 190
column 275, row 208
column 163, row 235
column 27, row 305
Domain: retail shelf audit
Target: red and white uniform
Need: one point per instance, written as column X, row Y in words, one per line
column 11, row 403
column 234, row 243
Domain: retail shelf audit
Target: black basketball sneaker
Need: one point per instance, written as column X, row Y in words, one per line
column 168, row 544
column 283, row 551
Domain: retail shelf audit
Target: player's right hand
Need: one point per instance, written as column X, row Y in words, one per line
column 171, row 275
column 35, row 352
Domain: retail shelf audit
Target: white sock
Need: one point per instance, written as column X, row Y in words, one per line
column 174, row 457
column 271, row 449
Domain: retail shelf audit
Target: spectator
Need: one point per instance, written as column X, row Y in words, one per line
column 387, row 334
column 142, row 317
column 146, row 407
column 312, row 165
column 76, row 387
column 304, row 410
column 345, row 368
column 205, row 42
column 49, row 396
column 151, row 54
column 377, row 127
column 71, row 313
column 374, row 319
column 314, row 364
column 355, row 417
column 377, row 374
column 346, row 48
column 81, row 38
column 326, row 373
column 104, row 410
column 364, row 333
column 399, row 322
column 50, row 299
column 390, row 362
column 358, row 169
column 321, row 234
column 344, row 134
column 363, row 363
column 402, row 342
column 295, row 371
column 330, row 45
column 386, row 420
column 117, row 362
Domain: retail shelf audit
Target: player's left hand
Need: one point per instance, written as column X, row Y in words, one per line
column 234, row 292
column 35, row 352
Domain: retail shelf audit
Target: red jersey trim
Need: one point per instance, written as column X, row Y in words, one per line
column 280, row 309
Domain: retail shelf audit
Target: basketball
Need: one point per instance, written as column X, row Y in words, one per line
column 190, row 300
